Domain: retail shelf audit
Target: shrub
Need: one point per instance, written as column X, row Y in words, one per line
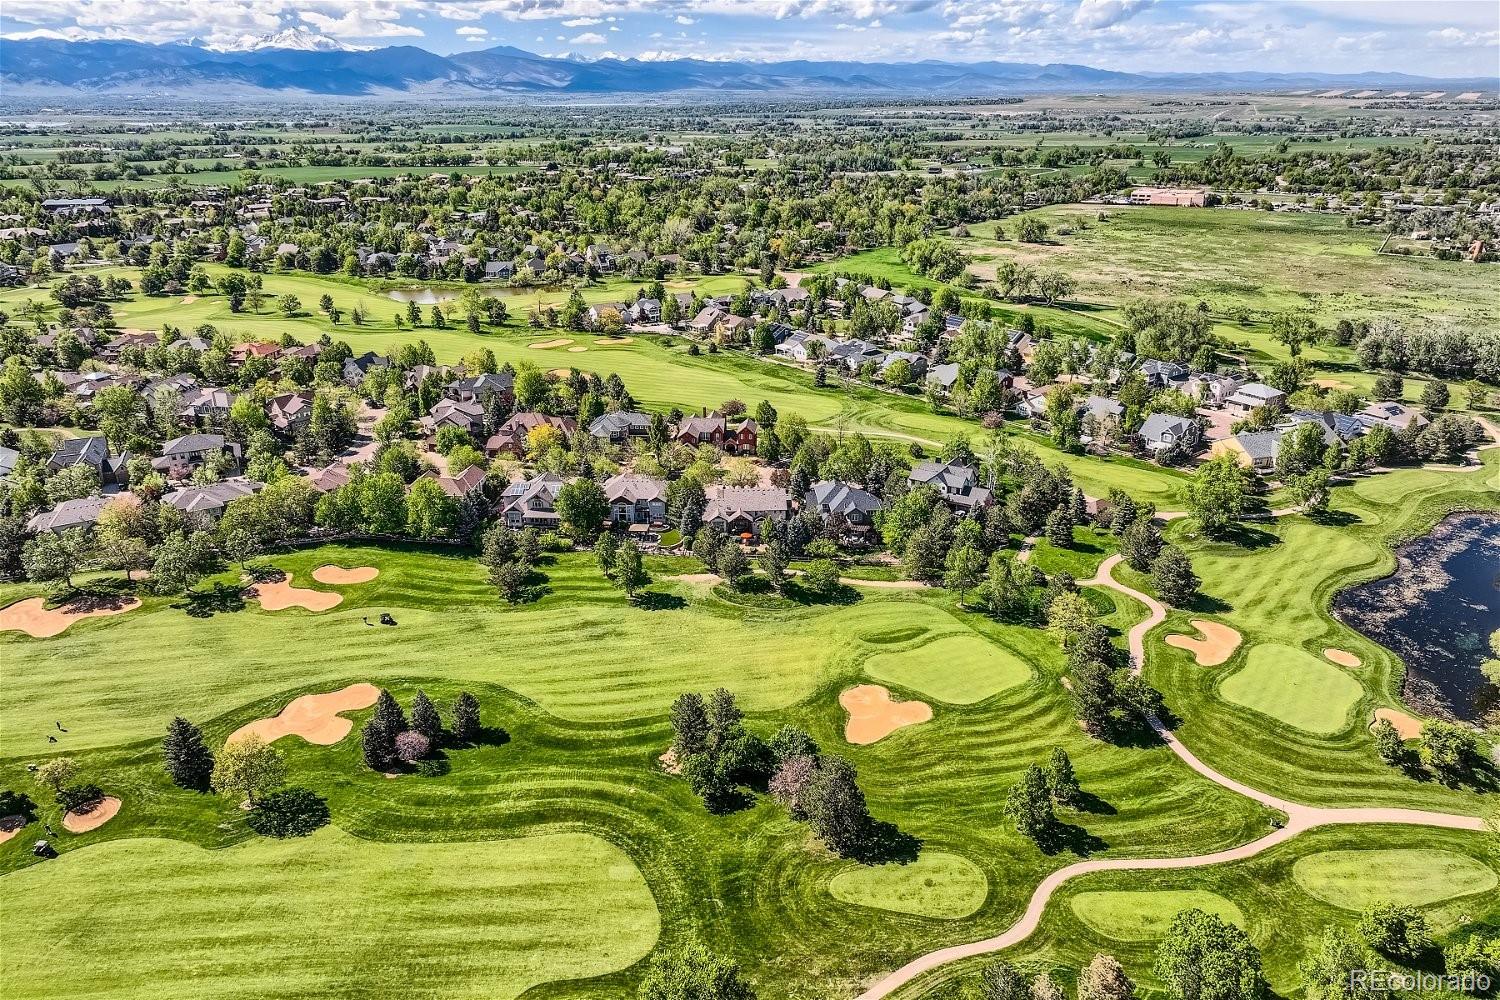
column 291, row 812
column 412, row 746
column 75, row 797
column 17, row 804
column 433, row 767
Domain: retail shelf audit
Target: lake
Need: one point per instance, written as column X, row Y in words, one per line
column 1436, row 612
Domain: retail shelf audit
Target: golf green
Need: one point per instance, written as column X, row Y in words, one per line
column 1144, row 915
column 1294, row 687
column 937, row 884
column 958, row 669
column 1353, row 880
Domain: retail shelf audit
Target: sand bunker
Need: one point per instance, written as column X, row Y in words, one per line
column 614, row 341
column 873, row 716
column 98, row 814
column 314, row 717
column 1342, row 657
column 34, row 618
column 577, row 350
column 542, row 345
column 278, row 595
column 1218, row 643
column 338, row 575
column 1407, row 727
column 1067, row 683
column 668, row 762
column 10, row 826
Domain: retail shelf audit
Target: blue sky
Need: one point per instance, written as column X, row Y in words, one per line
column 1431, row 37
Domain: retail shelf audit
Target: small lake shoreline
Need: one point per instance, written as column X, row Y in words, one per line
column 1436, row 611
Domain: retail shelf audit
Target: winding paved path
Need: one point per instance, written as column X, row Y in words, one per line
column 1299, row 818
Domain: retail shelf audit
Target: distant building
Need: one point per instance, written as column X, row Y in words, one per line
column 1185, row 197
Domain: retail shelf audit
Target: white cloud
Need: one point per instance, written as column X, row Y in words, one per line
column 587, row 38
column 580, row 22
column 684, row 19
column 367, row 20
column 469, row 31
column 1095, row 14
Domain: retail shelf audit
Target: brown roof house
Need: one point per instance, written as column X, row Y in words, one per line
column 739, row 511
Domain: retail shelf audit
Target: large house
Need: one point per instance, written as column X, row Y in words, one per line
column 1252, row 396
column 467, row 416
column 290, row 412
column 709, row 429
column 510, row 437
column 636, row 500
column 856, row 506
column 473, row 390
column 620, row 425
column 81, row 513
column 1161, row 431
column 528, row 503
column 182, row 456
column 957, row 483
column 93, row 452
column 1253, row 449
column 211, row 500
column 1394, row 416
column 739, row 511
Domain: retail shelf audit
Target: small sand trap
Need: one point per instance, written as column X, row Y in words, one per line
column 614, row 341
column 314, row 717
column 1067, row 683
column 1218, row 643
column 560, row 372
column 1342, row 657
column 577, row 350
column 34, row 618
column 542, row 345
column 1407, row 727
column 873, row 716
column 98, row 814
column 338, row 575
column 278, row 595
column 188, row 300
column 10, row 826
column 668, row 762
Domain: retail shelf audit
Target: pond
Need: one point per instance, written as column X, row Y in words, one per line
column 1437, row 612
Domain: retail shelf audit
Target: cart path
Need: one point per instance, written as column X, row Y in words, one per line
column 1299, row 818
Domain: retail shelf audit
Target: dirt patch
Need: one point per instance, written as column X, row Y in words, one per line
column 188, row 300
column 543, row 345
column 10, row 826
column 668, row 762
column 278, row 595
column 1218, row 643
column 33, row 617
column 577, row 350
column 1342, row 657
column 338, row 575
column 314, row 717
column 874, row 716
column 97, row 815
column 1408, row 727
column 614, row 341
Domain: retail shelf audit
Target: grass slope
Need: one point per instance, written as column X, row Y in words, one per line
column 937, row 884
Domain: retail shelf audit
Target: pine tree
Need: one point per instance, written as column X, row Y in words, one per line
column 425, row 718
column 466, row 718
column 377, row 746
column 1061, row 779
column 1173, row 577
column 1029, row 804
column 388, row 714
column 188, row 760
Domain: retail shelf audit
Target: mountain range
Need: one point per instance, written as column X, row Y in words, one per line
column 305, row 65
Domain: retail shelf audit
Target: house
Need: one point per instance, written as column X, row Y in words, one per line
column 528, row 503
column 1254, row 449
column 205, row 404
column 744, row 439
column 643, row 311
column 499, row 270
column 356, row 368
column 242, row 352
column 211, row 500
column 957, row 483
column 290, row 412
column 1211, row 388
column 1102, row 407
column 636, row 500
column 707, row 319
column 510, row 437
column 466, row 482
column 854, row 505
column 329, row 479
column 1338, row 428
column 90, row 451
column 1163, row 374
column 474, row 390
column 708, row 429
column 1396, row 416
column 81, row 513
column 1184, row 197
column 916, row 362
column 943, row 377
column 620, row 425
column 1252, row 396
column 739, row 511
column 8, row 459
column 182, row 456
column 598, row 314
column 1161, row 431
column 467, row 416
column 803, row 347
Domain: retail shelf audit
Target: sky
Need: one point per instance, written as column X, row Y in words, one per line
column 1430, row 37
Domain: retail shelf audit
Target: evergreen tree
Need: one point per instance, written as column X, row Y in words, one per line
column 1029, row 804
column 835, row 806
column 1061, row 779
column 690, row 725
column 425, row 718
column 188, row 759
column 466, row 718
column 1173, row 577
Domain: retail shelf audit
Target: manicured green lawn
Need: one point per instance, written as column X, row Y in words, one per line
column 937, row 884
column 958, row 669
column 1353, row 880
column 1294, row 687
column 329, row 915
column 1145, row 915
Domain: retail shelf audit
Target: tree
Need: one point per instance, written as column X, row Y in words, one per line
column 583, row 508
column 773, row 561
column 56, row 556
column 1451, row 751
column 56, row 774
column 466, row 725
column 965, row 564
column 690, row 725
column 1329, row 972
column 835, row 806
column 821, row 576
column 187, row 758
column 1292, row 330
column 511, row 580
column 1388, row 743
column 1061, row 780
column 1060, row 529
column 1104, row 979
column 1311, row 491
column 628, row 572
column 289, row 305
column 1434, row 396
column 1028, row 804
column 1218, row 494
column 430, row 512
column 1140, row 544
column 291, row 812
column 1476, row 954
column 1173, row 577
column 1204, row 958
column 730, row 563
column 411, row 746
column 425, row 718
column 1396, row 931
column 689, row 971
column 247, row 768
